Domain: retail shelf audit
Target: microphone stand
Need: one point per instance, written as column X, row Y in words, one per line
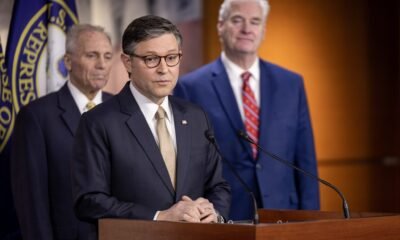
column 345, row 206
column 211, row 138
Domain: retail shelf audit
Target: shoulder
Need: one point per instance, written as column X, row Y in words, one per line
column 40, row 112
column 187, row 107
column 110, row 114
column 184, row 104
column 280, row 77
column 204, row 72
column 191, row 111
column 107, row 107
column 278, row 71
column 42, row 105
column 106, row 95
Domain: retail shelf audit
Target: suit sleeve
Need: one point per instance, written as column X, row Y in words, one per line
column 217, row 190
column 91, row 172
column 29, row 177
column 305, row 158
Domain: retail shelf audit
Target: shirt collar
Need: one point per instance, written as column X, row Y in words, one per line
column 148, row 107
column 234, row 69
column 80, row 99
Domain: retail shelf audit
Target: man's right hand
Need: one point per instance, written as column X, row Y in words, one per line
column 189, row 211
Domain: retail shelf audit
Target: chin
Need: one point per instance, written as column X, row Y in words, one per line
column 245, row 48
column 99, row 85
column 162, row 94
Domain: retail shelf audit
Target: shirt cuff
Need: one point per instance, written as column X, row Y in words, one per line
column 156, row 216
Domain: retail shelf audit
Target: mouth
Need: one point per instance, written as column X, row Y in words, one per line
column 162, row 82
column 245, row 39
column 99, row 77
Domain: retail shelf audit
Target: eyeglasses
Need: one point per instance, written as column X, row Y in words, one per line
column 153, row 61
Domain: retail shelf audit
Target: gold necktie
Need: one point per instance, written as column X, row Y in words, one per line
column 166, row 145
column 90, row 105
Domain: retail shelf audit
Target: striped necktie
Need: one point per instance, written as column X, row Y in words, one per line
column 251, row 120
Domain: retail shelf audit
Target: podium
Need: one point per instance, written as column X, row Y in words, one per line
column 274, row 224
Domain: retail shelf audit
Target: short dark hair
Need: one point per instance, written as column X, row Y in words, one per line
column 145, row 28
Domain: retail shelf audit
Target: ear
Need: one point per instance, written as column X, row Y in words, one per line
column 68, row 62
column 127, row 61
column 219, row 27
column 263, row 32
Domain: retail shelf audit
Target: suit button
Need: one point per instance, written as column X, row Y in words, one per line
column 258, row 166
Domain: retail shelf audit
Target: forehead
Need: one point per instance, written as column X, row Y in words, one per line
column 250, row 9
column 165, row 43
column 93, row 41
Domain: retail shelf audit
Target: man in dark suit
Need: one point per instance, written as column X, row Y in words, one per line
column 43, row 140
column 144, row 154
column 242, row 92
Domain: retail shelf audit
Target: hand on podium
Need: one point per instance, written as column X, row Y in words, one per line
column 188, row 210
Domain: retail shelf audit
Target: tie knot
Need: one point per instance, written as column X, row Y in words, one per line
column 160, row 113
column 90, row 105
column 246, row 76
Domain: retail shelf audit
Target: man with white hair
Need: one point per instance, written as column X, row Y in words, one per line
column 242, row 92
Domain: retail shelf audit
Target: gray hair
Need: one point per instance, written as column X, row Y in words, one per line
column 226, row 7
column 75, row 31
column 145, row 28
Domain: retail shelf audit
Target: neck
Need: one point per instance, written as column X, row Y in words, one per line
column 90, row 95
column 243, row 60
column 158, row 101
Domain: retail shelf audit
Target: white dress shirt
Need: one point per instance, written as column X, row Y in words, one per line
column 81, row 100
column 149, row 109
column 234, row 74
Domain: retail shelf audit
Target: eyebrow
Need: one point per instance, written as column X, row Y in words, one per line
column 171, row 51
column 98, row 53
column 243, row 17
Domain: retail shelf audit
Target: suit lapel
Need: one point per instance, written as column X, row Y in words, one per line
column 70, row 112
column 227, row 99
column 267, row 87
column 225, row 95
column 183, row 144
column 139, row 128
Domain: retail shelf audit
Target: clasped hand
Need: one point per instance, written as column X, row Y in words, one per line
column 188, row 210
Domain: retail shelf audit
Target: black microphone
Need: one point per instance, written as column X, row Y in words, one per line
column 346, row 211
column 211, row 138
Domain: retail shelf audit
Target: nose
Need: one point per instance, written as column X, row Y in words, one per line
column 162, row 67
column 101, row 63
column 245, row 27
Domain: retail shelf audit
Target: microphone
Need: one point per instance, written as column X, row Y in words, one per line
column 211, row 138
column 345, row 206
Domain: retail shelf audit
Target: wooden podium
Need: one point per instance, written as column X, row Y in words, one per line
column 275, row 224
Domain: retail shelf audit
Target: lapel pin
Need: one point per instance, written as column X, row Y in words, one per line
column 184, row 122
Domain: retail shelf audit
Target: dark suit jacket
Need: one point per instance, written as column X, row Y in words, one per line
column 119, row 171
column 40, row 167
column 285, row 130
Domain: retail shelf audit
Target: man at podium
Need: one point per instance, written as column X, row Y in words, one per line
column 144, row 154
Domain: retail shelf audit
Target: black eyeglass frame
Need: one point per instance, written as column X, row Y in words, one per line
column 144, row 58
